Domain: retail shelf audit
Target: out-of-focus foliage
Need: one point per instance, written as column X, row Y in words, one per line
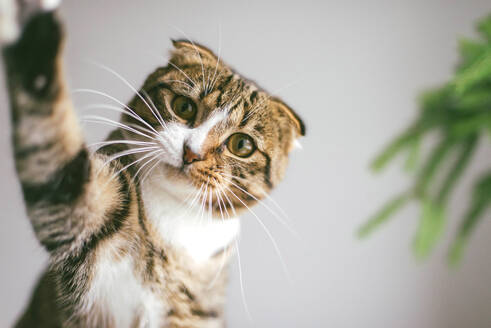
column 460, row 113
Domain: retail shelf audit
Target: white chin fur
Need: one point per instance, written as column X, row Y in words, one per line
column 200, row 236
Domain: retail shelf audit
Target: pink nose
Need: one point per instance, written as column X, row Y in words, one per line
column 189, row 156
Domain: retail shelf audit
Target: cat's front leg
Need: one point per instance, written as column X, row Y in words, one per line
column 66, row 193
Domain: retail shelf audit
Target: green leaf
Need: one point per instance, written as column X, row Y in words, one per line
column 383, row 215
column 481, row 201
column 474, row 214
column 484, row 27
column 467, row 148
column 477, row 72
column 470, row 50
column 477, row 100
column 468, row 126
column 428, row 171
column 396, row 146
column 430, row 228
column 413, row 156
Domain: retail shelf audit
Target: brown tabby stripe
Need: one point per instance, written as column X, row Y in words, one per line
column 114, row 223
column 115, row 220
column 204, row 314
column 21, row 152
column 220, row 88
column 253, row 97
column 64, row 186
column 267, row 169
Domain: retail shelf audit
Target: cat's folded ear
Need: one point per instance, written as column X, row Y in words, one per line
column 294, row 124
column 292, row 116
column 193, row 49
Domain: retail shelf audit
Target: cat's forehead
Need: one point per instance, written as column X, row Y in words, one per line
column 215, row 90
column 196, row 72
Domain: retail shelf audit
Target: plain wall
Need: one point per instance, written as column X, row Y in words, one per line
column 353, row 71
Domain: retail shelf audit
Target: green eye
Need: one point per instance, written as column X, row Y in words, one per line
column 184, row 108
column 241, row 145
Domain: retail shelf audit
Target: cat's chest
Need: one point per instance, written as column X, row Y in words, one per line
column 191, row 230
column 120, row 297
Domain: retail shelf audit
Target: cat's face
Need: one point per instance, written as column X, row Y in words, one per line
column 216, row 133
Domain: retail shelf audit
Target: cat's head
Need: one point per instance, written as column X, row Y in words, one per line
column 217, row 133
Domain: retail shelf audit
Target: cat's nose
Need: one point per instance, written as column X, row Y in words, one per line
column 189, row 156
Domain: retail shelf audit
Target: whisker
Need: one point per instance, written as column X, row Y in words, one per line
column 150, row 169
column 178, row 81
column 268, row 233
column 196, row 197
column 103, row 94
column 213, row 81
column 104, row 67
column 256, row 107
column 203, row 201
column 155, row 152
column 210, row 206
column 176, row 67
column 197, row 52
column 231, row 204
column 279, row 218
column 112, row 123
column 145, row 164
column 162, row 122
column 121, row 110
column 129, row 152
column 102, row 144
column 246, row 308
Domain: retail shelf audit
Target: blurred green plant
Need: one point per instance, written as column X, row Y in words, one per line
column 460, row 113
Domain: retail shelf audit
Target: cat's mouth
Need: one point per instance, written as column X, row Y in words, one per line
column 197, row 177
column 209, row 189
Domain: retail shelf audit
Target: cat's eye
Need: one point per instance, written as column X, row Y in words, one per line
column 240, row 144
column 184, row 108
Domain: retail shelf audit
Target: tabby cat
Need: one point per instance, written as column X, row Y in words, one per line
column 138, row 230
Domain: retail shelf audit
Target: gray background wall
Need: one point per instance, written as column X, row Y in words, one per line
column 353, row 71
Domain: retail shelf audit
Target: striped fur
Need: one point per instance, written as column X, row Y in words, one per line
column 111, row 264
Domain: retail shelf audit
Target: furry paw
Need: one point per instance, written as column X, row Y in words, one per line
column 15, row 13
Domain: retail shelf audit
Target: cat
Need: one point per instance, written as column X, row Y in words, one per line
column 139, row 230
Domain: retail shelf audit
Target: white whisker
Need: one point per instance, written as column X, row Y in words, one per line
column 140, row 169
column 246, row 308
column 275, row 215
column 153, row 153
column 121, row 110
column 107, row 121
column 102, row 144
column 268, row 233
column 104, row 67
column 256, row 107
column 213, row 80
column 197, row 52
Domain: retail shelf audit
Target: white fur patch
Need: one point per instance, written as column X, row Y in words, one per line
column 175, row 135
column 50, row 4
column 197, row 233
column 13, row 16
column 120, row 296
column 297, row 144
column 9, row 27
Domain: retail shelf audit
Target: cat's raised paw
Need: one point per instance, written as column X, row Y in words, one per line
column 15, row 13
